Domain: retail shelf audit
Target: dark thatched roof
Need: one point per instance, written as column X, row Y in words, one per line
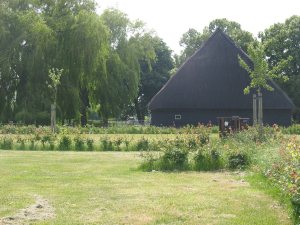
column 213, row 79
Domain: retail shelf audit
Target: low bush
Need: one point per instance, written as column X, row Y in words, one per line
column 6, row 143
column 117, row 143
column 90, row 144
column 237, row 160
column 79, row 144
column 106, row 145
column 142, row 144
column 294, row 129
column 65, row 143
column 174, row 159
column 21, row 143
column 208, row 158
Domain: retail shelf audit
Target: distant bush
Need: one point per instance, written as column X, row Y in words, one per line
column 142, row 144
column 294, row 129
column 169, row 160
column 79, row 143
column 174, row 159
column 107, row 145
column 65, row 143
column 237, row 160
column 6, row 143
column 90, row 144
column 208, row 158
column 21, row 143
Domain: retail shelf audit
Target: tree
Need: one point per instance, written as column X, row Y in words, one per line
column 260, row 74
column 38, row 35
column 192, row 39
column 129, row 44
column 101, row 58
column 55, row 77
column 153, row 77
column 281, row 41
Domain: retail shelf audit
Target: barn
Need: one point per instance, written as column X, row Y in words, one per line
column 210, row 84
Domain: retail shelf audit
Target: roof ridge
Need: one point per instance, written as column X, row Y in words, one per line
column 185, row 62
column 228, row 38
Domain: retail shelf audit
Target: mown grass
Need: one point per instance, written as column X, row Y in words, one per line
column 107, row 188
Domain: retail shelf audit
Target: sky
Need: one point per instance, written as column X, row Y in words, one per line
column 171, row 18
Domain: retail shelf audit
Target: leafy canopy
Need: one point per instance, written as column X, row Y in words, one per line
column 260, row 73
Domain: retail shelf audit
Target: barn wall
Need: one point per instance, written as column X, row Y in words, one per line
column 194, row 117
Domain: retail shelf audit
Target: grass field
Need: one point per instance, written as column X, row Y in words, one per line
column 107, row 188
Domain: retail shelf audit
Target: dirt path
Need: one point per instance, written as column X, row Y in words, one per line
column 40, row 210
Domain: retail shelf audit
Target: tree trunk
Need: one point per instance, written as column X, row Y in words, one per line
column 84, row 105
column 83, row 118
column 139, row 113
column 254, row 110
column 105, row 122
column 260, row 109
column 260, row 114
column 53, row 118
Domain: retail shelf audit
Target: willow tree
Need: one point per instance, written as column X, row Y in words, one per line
column 8, row 62
column 86, row 58
column 24, row 56
column 260, row 74
column 129, row 43
column 81, row 50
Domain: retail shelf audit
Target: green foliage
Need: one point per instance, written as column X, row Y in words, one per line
column 260, row 74
column 208, row 158
column 92, row 52
column 238, row 160
column 281, row 42
column 90, row 144
column 6, row 143
column 174, row 159
column 192, row 39
column 142, row 145
column 129, row 44
column 55, row 77
column 237, row 151
column 79, row 144
column 153, row 76
column 65, row 143
column 294, row 129
column 123, row 129
column 107, row 145
column 285, row 173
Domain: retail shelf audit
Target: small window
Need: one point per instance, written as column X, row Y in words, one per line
column 178, row 117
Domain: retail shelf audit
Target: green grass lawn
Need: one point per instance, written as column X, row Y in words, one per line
column 107, row 188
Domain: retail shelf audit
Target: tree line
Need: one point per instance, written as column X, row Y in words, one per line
column 111, row 66
column 104, row 58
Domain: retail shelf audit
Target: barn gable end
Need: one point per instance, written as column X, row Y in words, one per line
column 212, row 82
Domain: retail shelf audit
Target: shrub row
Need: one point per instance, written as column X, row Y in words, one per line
column 236, row 151
column 105, row 143
column 212, row 156
column 128, row 129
